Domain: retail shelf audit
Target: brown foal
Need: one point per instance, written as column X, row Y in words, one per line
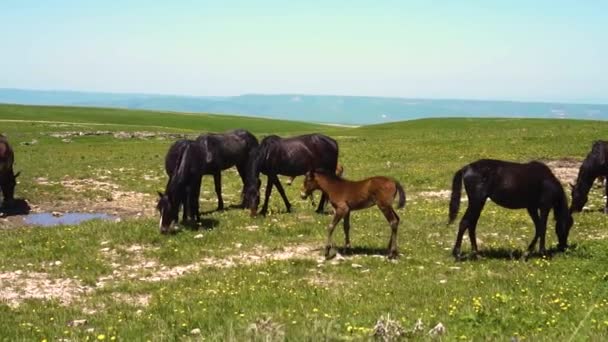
column 345, row 196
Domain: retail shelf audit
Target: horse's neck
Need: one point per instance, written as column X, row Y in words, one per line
column 326, row 182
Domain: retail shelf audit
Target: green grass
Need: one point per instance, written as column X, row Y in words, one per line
column 495, row 298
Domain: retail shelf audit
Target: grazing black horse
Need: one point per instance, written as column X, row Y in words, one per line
column 514, row 186
column 186, row 163
column 8, row 178
column 184, row 167
column 594, row 166
column 289, row 157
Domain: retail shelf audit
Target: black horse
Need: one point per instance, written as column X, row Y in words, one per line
column 514, row 186
column 186, row 163
column 289, row 157
column 183, row 165
column 594, row 166
column 8, row 178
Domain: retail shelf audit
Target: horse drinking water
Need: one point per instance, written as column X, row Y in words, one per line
column 515, row 186
column 346, row 196
column 594, row 166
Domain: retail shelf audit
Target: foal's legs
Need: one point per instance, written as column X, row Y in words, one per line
column 393, row 220
column 347, row 230
column 217, row 180
column 321, row 207
column 277, row 183
column 469, row 221
column 340, row 213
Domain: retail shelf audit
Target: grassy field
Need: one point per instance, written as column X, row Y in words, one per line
column 265, row 278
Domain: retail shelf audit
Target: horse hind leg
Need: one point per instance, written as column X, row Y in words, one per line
column 393, row 220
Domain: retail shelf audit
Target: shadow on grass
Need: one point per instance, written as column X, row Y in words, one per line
column 511, row 254
column 206, row 223
column 365, row 251
column 18, row 207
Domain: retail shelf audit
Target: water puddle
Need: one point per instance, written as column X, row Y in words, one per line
column 48, row 219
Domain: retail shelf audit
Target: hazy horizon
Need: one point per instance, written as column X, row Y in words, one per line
column 542, row 51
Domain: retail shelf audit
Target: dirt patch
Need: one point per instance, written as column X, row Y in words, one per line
column 123, row 135
column 108, row 198
column 438, row 194
column 144, row 269
column 17, row 286
column 566, row 170
column 133, row 299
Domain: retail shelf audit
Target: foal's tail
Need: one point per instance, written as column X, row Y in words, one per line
column 401, row 193
column 455, row 197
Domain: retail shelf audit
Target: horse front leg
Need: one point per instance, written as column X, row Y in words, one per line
column 537, row 223
column 242, row 173
column 266, row 196
column 277, row 183
column 340, row 213
column 606, row 193
column 195, row 194
column 468, row 221
column 544, row 214
column 217, row 180
column 321, row 207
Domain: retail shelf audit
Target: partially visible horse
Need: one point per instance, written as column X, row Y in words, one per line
column 339, row 172
column 595, row 165
column 515, row 186
column 8, row 178
column 346, row 196
column 289, row 157
column 186, row 163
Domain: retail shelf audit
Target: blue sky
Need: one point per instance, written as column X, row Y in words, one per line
column 518, row 50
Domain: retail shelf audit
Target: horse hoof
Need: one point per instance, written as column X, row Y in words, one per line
column 393, row 256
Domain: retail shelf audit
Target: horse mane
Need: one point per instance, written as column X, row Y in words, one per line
column 180, row 172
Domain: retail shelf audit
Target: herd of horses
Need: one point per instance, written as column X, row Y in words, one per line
column 531, row 186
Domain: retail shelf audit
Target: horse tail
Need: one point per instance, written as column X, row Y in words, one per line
column 401, row 193
column 455, row 197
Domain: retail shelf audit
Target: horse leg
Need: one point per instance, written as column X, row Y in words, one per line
column 242, row 173
column 536, row 219
column 340, row 213
column 321, row 207
column 544, row 214
column 393, row 219
column 606, row 193
column 266, row 195
column 468, row 221
column 347, row 231
column 195, row 194
column 217, row 180
column 277, row 183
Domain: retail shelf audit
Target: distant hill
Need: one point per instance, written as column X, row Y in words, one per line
column 355, row 110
